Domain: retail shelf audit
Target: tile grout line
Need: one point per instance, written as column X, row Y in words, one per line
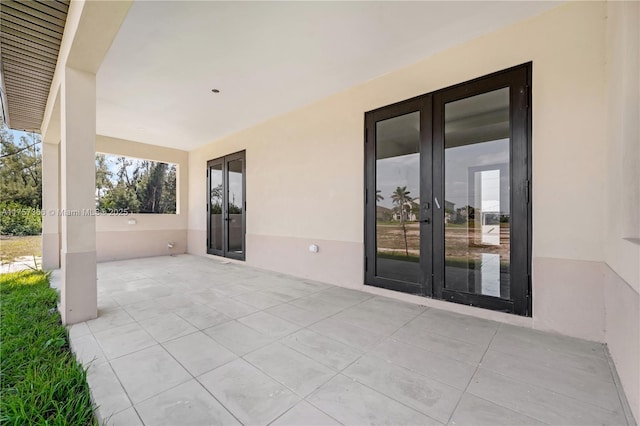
column 217, row 400
column 453, row 338
column 306, row 327
column 295, row 405
column 438, row 354
column 274, row 339
column 279, row 341
column 364, row 353
column 126, row 393
column 174, row 358
column 418, row 373
column 522, row 382
column 326, row 337
column 373, row 390
column 544, row 387
column 474, row 374
column 108, row 362
column 587, row 381
column 383, row 336
column 510, row 409
column 320, row 409
column 619, row 389
column 158, row 343
column 171, row 355
column 290, row 322
column 561, row 353
column 367, row 352
column 302, row 398
column 136, row 321
column 237, row 356
column 198, row 381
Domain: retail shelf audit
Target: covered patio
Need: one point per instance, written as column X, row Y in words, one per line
column 272, row 116
column 191, row 340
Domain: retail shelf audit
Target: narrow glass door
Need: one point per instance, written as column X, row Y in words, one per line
column 235, row 206
column 226, row 206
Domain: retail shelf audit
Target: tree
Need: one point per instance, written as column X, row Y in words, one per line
column 216, row 199
column 142, row 186
column 401, row 199
column 103, row 178
column 151, row 192
column 379, row 196
column 123, row 174
column 168, row 198
column 414, row 208
column 20, row 169
column 20, row 183
column 120, row 197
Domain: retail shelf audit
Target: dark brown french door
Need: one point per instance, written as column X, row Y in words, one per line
column 447, row 194
column 226, row 207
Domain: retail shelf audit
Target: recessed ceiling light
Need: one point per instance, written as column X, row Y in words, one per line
column 215, row 90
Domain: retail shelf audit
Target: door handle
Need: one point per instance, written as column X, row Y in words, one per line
column 427, row 220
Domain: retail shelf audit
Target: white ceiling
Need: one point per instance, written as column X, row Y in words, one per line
column 266, row 58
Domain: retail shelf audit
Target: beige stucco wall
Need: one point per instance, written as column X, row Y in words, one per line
column 305, row 178
column 622, row 242
column 305, row 169
column 116, row 238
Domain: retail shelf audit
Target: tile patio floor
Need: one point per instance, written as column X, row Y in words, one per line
column 186, row 340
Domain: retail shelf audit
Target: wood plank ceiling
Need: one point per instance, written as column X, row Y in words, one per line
column 30, row 35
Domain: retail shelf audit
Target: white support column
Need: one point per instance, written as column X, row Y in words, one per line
column 50, row 205
column 77, row 151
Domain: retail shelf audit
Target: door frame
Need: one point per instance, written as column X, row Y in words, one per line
column 431, row 107
column 224, row 162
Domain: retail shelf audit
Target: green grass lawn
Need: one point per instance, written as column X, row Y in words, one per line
column 13, row 247
column 40, row 380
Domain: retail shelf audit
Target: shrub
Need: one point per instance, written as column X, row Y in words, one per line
column 16, row 219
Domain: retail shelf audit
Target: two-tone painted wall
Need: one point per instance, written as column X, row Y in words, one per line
column 117, row 237
column 305, row 179
column 622, row 196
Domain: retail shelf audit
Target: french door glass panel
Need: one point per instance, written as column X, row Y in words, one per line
column 216, row 221
column 397, row 198
column 477, row 194
column 235, row 206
